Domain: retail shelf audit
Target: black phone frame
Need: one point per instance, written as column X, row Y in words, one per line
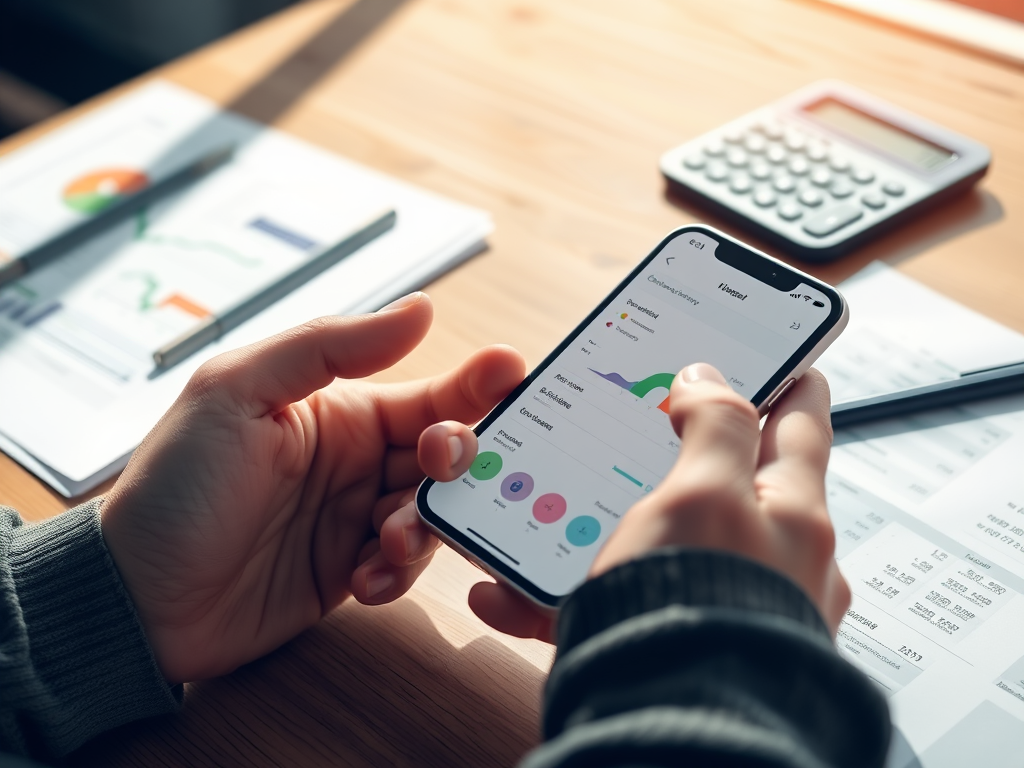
column 732, row 252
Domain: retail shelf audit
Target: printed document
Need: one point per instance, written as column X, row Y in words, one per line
column 77, row 380
column 929, row 518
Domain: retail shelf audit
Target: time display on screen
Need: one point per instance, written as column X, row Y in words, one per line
column 917, row 152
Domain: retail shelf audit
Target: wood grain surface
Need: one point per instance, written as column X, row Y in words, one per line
column 552, row 116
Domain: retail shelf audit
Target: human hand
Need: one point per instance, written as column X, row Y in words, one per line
column 253, row 507
column 759, row 494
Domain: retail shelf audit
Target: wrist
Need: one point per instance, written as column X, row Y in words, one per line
column 688, row 577
column 85, row 640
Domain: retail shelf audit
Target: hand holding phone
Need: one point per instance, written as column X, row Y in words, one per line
column 756, row 493
column 588, row 434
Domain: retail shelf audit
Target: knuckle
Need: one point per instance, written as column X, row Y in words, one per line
column 819, row 537
column 209, row 376
column 810, row 530
column 318, row 325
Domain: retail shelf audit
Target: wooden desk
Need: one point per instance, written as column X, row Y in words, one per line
column 552, row 116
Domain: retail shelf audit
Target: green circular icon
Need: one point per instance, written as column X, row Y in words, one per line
column 486, row 465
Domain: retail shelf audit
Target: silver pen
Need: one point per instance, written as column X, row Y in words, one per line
column 122, row 209
column 212, row 328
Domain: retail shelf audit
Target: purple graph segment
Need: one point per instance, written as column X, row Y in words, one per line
column 615, row 379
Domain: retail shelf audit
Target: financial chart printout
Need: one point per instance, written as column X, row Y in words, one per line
column 77, row 336
column 929, row 519
column 591, row 433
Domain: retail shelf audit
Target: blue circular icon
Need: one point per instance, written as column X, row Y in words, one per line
column 583, row 531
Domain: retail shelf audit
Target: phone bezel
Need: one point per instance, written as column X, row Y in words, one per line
column 736, row 254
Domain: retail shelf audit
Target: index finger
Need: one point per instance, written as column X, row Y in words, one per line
column 797, row 436
column 271, row 374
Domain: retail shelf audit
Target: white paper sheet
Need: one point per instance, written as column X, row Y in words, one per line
column 903, row 334
column 76, row 336
column 929, row 517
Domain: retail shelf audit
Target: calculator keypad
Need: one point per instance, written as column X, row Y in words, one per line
column 797, row 179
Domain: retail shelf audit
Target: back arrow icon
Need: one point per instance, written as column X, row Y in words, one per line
column 668, row 259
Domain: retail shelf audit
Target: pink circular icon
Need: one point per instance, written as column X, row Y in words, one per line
column 549, row 508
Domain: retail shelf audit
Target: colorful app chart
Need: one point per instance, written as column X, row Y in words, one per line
column 549, row 508
column 485, row 466
column 517, row 486
column 583, row 531
column 643, row 387
column 94, row 192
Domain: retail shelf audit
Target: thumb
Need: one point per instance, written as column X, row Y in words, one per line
column 269, row 375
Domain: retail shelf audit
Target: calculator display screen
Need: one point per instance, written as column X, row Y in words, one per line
column 921, row 154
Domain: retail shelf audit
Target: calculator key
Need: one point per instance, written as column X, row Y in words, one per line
column 817, row 151
column 873, row 200
column 820, row 177
column 714, row 148
column 798, row 166
column 862, row 175
column 736, row 157
column 740, row 183
column 833, row 219
column 790, row 211
column 717, row 171
column 810, row 197
column 764, row 198
column 784, row 183
column 841, row 189
column 776, row 154
column 760, row 170
column 694, row 162
column 794, row 141
column 893, row 188
column 733, row 136
column 771, row 129
column 838, row 163
column 755, row 143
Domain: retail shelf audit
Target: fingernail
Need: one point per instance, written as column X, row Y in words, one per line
column 403, row 302
column 454, row 450
column 378, row 583
column 415, row 538
column 691, row 374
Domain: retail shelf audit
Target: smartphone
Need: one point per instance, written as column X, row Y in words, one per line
column 587, row 433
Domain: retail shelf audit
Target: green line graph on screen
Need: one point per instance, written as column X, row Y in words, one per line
column 643, row 387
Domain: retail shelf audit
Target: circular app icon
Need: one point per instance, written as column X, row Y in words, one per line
column 549, row 508
column 486, row 465
column 583, row 531
column 517, row 486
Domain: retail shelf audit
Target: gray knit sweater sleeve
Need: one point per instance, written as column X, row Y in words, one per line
column 74, row 660
column 688, row 658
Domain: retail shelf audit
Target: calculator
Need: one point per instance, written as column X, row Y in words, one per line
column 824, row 169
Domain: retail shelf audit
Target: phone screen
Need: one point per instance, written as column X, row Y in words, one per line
column 588, row 433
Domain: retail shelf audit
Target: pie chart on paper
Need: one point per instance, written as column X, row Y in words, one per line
column 98, row 190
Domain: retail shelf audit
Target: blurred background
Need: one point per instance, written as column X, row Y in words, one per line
column 55, row 53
